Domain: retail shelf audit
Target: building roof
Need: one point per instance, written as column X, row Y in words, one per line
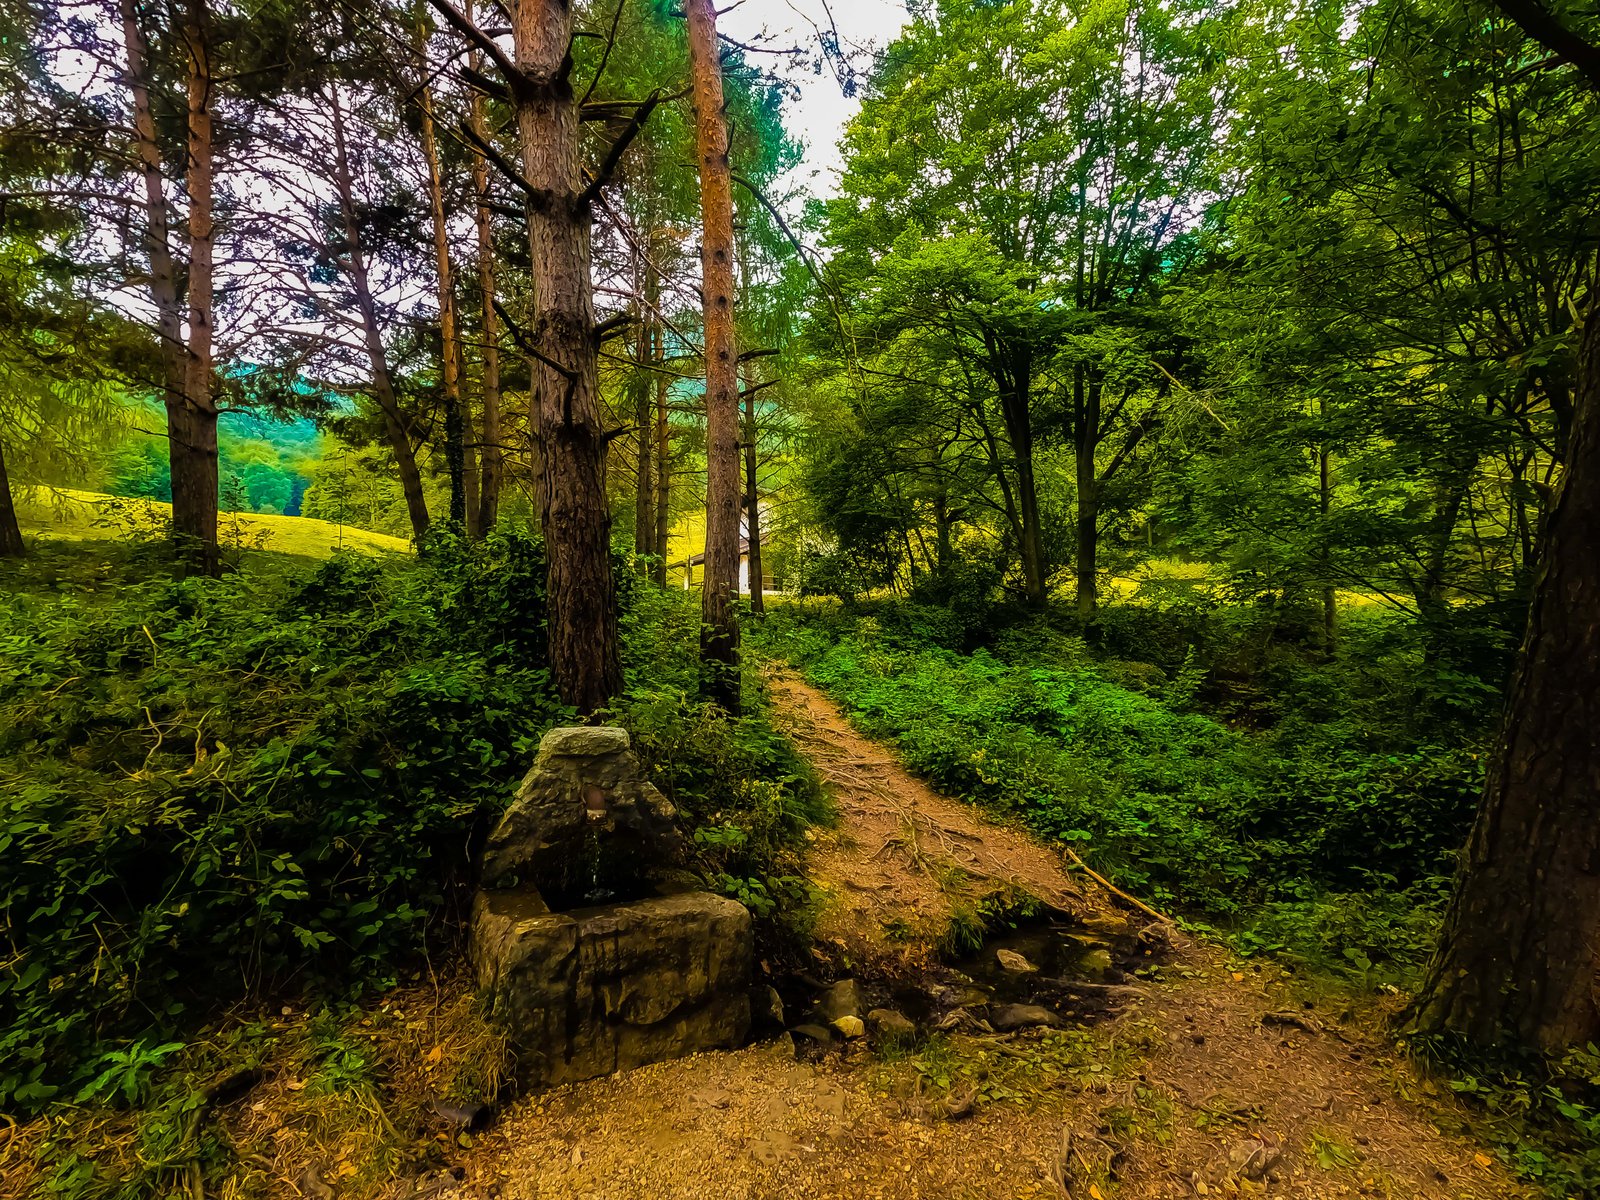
column 696, row 560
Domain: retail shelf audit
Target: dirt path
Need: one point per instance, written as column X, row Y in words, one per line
column 1207, row 1078
column 907, row 868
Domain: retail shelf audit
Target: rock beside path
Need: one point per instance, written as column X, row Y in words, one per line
column 592, row 956
column 891, row 1025
column 585, row 818
column 842, row 999
column 605, row 989
column 1006, row 1017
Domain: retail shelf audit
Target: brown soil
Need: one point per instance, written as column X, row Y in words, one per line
column 904, row 863
column 1213, row 1078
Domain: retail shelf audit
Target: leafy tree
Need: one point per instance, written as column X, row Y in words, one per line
column 1015, row 186
column 1518, row 960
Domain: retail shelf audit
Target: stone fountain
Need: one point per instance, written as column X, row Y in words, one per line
column 594, row 946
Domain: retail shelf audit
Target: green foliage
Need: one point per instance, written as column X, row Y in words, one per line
column 216, row 787
column 1542, row 1111
column 742, row 791
column 125, row 1073
column 264, row 466
column 1305, row 841
column 216, row 784
column 343, row 1085
column 995, row 314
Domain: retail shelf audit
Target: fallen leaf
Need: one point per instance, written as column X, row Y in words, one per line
column 434, row 1055
column 1095, row 1193
column 1483, row 1160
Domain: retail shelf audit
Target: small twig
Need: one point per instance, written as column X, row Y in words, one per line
column 1292, row 1019
column 1113, row 888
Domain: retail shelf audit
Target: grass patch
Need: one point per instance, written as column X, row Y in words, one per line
column 56, row 514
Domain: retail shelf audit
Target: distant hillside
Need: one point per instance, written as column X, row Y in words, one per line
column 76, row 515
column 265, row 464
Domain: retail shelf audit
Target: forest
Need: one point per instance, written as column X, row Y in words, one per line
column 1091, row 560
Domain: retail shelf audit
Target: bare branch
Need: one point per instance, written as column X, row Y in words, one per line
column 613, row 158
column 459, row 21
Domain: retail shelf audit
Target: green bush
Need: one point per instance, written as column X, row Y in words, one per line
column 215, row 788
column 1227, row 823
column 743, row 793
column 248, row 782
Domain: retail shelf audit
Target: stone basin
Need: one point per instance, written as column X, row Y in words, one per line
column 601, row 989
column 582, row 989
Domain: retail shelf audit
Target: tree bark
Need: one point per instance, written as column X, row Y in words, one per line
column 157, row 231
column 1085, row 443
column 644, row 496
column 1519, row 959
column 383, row 391
column 1088, row 546
column 464, row 499
column 663, row 467
column 752, row 502
column 577, row 522
column 1330, row 608
column 193, row 427
column 1033, row 564
column 941, row 530
column 1012, row 370
column 11, row 543
column 719, row 647
column 491, row 458
column 186, row 366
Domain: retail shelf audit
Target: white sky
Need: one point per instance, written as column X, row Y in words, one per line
column 820, row 115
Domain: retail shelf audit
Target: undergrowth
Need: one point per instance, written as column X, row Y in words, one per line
column 220, row 797
column 1314, row 840
column 1543, row 1112
column 1304, row 808
column 332, row 1095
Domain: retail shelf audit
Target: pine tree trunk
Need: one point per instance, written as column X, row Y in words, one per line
column 491, row 458
column 719, row 646
column 186, row 367
column 663, row 467
column 157, row 233
column 459, row 451
column 192, row 424
column 752, row 502
column 11, row 543
column 383, row 391
column 577, row 522
column 1519, row 960
column 644, row 495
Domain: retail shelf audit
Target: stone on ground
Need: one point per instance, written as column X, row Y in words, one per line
column 842, row 999
column 1005, row 1017
column 891, row 1024
column 1010, row 960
